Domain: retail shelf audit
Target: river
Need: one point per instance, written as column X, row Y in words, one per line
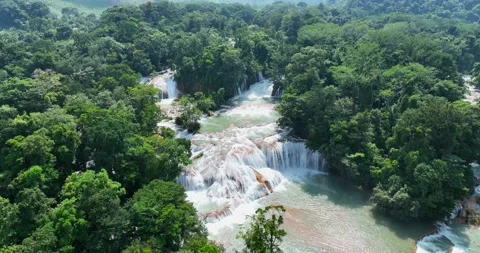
column 244, row 161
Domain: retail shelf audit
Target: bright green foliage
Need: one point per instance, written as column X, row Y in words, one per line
column 381, row 104
column 265, row 233
column 142, row 247
column 98, row 202
column 35, row 177
column 306, row 68
column 452, row 8
column 42, row 240
column 217, row 66
column 320, row 34
column 160, row 213
column 433, row 173
column 33, row 95
column 69, row 227
column 21, row 153
column 200, row 244
column 209, row 249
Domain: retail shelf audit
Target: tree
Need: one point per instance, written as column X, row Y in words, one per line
column 8, row 222
column 147, row 113
column 430, row 172
column 69, row 227
column 265, row 233
column 149, row 158
column 61, row 128
column 189, row 117
column 98, row 203
column 22, row 153
column 33, row 205
column 159, row 212
column 104, row 133
column 327, row 35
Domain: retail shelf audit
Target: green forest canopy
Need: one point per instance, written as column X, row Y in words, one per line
column 378, row 91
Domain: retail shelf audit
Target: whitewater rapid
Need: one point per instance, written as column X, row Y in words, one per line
column 238, row 158
column 167, row 85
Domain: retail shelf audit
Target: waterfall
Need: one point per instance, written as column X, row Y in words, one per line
column 444, row 238
column 281, row 156
column 278, row 93
column 240, row 87
column 172, row 91
column 458, row 208
column 234, row 168
column 259, row 90
column 260, row 76
column 167, row 86
column 473, row 93
column 243, row 159
column 144, row 80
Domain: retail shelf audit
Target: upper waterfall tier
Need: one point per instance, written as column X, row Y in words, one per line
column 166, row 83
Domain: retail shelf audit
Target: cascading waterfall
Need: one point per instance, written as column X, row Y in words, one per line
column 278, row 93
column 166, row 84
column 172, row 90
column 444, row 238
column 243, row 162
column 240, row 87
column 285, row 155
column 260, row 76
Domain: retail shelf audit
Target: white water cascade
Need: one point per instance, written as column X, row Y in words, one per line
column 166, row 83
column 239, row 157
column 442, row 240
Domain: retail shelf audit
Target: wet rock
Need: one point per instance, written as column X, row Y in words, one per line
column 261, row 180
column 217, row 214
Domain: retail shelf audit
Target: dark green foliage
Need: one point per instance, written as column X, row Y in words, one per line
column 476, row 75
column 380, row 101
column 159, row 212
column 70, row 100
column 468, row 10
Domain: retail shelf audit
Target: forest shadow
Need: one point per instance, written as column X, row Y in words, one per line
column 414, row 230
column 337, row 191
column 344, row 193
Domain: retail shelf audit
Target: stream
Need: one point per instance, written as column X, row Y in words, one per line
column 243, row 161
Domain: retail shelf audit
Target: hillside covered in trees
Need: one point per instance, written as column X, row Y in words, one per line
column 375, row 86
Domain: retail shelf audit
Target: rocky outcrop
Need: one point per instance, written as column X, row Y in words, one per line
column 217, row 214
column 469, row 213
column 261, row 180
